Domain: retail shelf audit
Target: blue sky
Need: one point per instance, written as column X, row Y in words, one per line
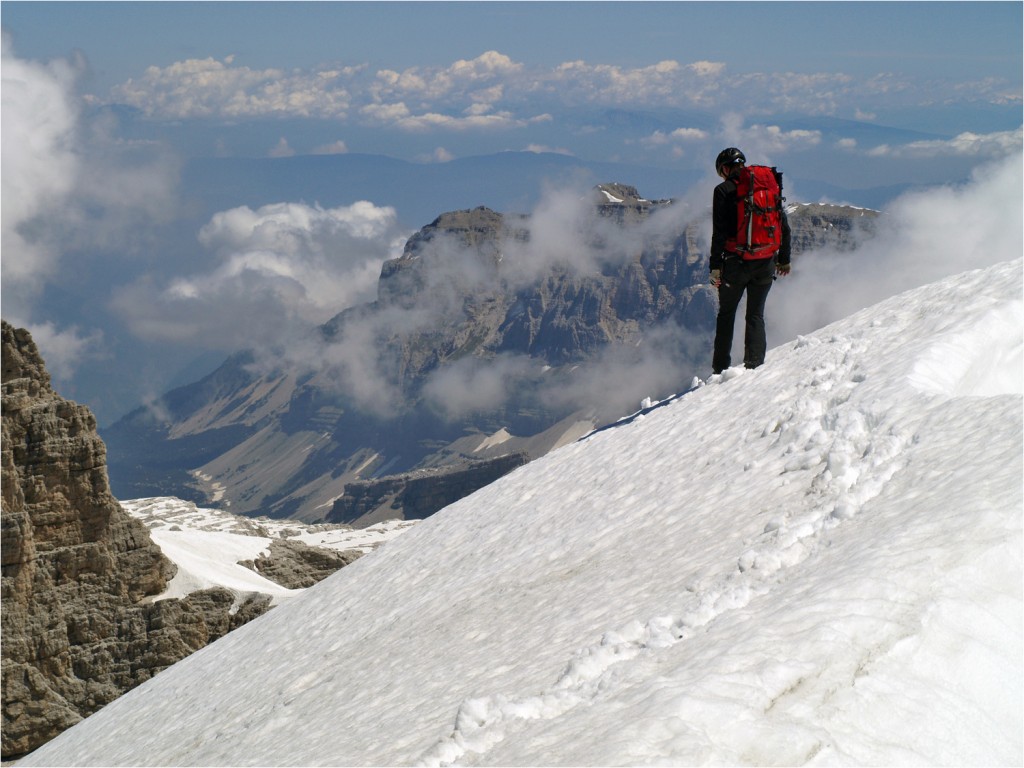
column 472, row 77
column 107, row 107
column 935, row 39
column 432, row 81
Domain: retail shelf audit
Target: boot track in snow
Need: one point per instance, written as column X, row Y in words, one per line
column 812, row 436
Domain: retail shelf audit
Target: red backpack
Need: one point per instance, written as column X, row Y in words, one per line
column 758, row 214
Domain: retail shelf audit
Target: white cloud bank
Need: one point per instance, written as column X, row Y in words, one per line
column 494, row 91
column 211, row 88
column 40, row 162
column 279, row 270
column 1004, row 144
column 69, row 183
column 922, row 237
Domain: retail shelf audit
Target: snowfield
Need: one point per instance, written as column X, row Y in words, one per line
column 815, row 563
column 207, row 544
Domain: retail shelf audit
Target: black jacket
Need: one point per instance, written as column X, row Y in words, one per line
column 723, row 215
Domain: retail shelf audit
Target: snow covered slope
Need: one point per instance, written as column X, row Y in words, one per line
column 817, row 562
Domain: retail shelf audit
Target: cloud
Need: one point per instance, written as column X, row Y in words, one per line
column 678, row 136
column 279, row 270
column 765, row 140
column 413, row 99
column 661, row 362
column 398, row 116
column 688, row 134
column 198, row 88
column 562, row 230
column 760, row 143
column 473, row 385
column 767, row 143
column 982, row 146
column 334, row 148
column 608, row 83
column 439, row 155
column 66, row 348
column 482, row 77
column 40, row 161
column 281, row 149
column 484, row 66
column 455, row 96
column 71, row 185
column 679, row 141
column 566, row 235
column 357, row 363
column 459, row 97
column 566, row 231
column 544, row 149
column 707, row 68
column 922, row 237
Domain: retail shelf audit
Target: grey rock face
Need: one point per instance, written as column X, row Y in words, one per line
column 296, row 565
column 416, row 495
column 838, row 228
column 77, row 631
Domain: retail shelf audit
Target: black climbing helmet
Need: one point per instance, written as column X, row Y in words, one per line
column 728, row 156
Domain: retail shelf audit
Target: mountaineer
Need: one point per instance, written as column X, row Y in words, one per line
column 749, row 246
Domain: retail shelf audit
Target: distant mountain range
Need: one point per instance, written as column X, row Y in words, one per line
column 472, row 355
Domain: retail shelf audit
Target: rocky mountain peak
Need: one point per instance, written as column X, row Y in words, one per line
column 621, row 295
column 624, row 202
column 21, row 360
column 470, row 225
column 616, row 193
column 465, row 246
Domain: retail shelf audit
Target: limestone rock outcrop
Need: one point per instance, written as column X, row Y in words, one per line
column 296, row 565
column 78, row 573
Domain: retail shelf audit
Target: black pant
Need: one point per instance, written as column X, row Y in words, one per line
column 754, row 277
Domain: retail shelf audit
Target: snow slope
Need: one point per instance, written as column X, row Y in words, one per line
column 817, row 562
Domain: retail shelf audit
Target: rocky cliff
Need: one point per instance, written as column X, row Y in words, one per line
column 562, row 317
column 78, row 572
column 416, row 495
column 296, row 565
column 836, row 227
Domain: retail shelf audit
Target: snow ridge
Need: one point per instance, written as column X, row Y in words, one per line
column 858, row 454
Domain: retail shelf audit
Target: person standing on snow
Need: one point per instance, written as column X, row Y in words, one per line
column 735, row 268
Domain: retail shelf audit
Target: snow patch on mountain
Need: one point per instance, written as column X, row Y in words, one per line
column 208, row 545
